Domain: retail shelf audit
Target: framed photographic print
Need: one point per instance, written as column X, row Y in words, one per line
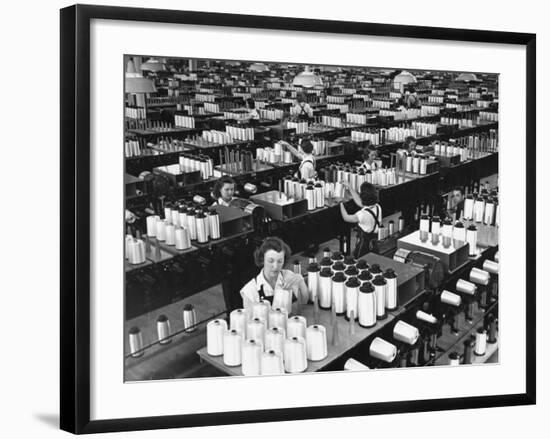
column 275, row 218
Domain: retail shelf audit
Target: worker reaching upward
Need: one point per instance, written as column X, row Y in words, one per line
column 306, row 169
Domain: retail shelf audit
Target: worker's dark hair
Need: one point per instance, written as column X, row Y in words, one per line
column 226, row 179
column 459, row 189
column 368, row 194
column 307, row 146
column 250, row 103
column 271, row 243
column 369, row 148
column 408, row 141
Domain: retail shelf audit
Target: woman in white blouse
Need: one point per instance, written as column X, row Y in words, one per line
column 274, row 284
column 370, row 158
column 224, row 191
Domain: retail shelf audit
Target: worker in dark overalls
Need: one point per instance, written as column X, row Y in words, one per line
column 302, row 108
column 368, row 218
column 306, row 170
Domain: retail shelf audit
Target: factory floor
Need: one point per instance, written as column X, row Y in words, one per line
column 179, row 359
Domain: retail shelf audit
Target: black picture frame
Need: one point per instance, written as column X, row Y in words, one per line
column 75, row 216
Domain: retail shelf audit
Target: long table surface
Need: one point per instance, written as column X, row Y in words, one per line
column 349, row 336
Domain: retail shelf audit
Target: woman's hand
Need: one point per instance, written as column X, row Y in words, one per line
column 130, row 217
column 303, row 291
column 346, row 184
column 284, row 143
column 298, row 286
column 293, row 282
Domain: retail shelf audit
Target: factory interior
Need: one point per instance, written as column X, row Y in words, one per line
column 290, row 218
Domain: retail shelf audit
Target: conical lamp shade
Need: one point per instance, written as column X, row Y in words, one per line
column 307, row 79
column 258, row 67
column 466, row 77
column 135, row 82
column 152, row 65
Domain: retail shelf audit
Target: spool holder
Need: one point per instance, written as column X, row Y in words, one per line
column 482, row 297
column 352, row 322
column 460, row 318
column 433, row 348
column 470, row 309
column 492, row 333
column 184, row 331
column 424, row 352
column 157, row 250
column 403, row 360
column 468, row 351
column 316, row 314
column 335, row 334
column 413, row 356
column 494, row 290
column 451, row 320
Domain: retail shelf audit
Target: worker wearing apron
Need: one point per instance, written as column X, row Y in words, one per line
column 368, row 218
column 370, row 159
column 274, row 284
column 251, row 108
column 306, row 170
column 302, row 109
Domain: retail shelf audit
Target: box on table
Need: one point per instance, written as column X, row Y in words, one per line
column 175, row 175
column 233, row 221
column 451, row 257
column 278, row 206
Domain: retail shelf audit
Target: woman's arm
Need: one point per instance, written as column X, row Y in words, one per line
column 354, row 195
column 129, row 216
column 303, row 291
column 247, row 303
column 346, row 216
column 296, row 283
column 292, row 150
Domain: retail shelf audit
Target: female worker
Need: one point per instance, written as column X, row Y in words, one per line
column 306, row 170
column 223, row 191
column 368, row 218
column 370, row 156
column 456, row 203
column 302, row 109
column 410, row 147
column 274, row 283
column 411, row 99
column 252, row 112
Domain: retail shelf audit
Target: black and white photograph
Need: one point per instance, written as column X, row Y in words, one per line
column 298, row 218
column 275, row 219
